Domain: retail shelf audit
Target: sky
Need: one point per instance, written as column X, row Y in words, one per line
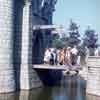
column 83, row 12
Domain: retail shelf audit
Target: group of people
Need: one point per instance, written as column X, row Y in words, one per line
column 71, row 57
column 64, row 56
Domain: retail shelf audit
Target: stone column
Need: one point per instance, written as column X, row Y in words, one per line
column 7, row 82
column 93, row 79
column 28, row 78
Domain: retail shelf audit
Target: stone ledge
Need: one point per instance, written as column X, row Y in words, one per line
column 97, row 57
column 93, row 92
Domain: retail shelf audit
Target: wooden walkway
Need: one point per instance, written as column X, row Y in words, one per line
column 55, row 67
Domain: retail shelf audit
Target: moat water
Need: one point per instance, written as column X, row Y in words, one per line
column 71, row 88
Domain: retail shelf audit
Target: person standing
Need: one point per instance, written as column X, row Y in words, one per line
column 47, row 56
column 68, row 60
column 55, row 56
column 68, row 57
column 52, row 56
column 97, row 52
column 58, row 56
column 74, row 54
column 62, row 56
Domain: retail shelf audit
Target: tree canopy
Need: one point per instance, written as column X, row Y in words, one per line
column 90, row 38
column 73, row 34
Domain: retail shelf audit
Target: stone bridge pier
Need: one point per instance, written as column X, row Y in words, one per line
column 17, row 18
column 16, row 47
column 28, row 76
column 7, row 82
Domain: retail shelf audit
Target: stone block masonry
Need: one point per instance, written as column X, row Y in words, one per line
column 93, row 79
column 9, row 59
column 7, row 82
column 27, row 79
column 16, row 22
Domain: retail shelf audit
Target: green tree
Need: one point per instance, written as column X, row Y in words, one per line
column 64, row 41
column 73, row 34
column 90, row 40
column 59, row 42
column 56, row 41
column 25, row 1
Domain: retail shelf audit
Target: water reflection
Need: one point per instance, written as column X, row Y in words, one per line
column 32, row 95
column 71, row 88
column 10, row 96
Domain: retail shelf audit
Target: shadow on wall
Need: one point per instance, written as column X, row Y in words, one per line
column 18, row 18
column 49, row 77
column 38, row 47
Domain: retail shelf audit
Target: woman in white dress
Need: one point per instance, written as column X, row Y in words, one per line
column 47, row 56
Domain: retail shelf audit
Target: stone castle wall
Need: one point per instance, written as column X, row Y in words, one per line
column 93, row 79
column 7, row 82
column 16, row 45
column 28, row 78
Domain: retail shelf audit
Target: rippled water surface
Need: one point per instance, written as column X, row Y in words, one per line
column 71, row 88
